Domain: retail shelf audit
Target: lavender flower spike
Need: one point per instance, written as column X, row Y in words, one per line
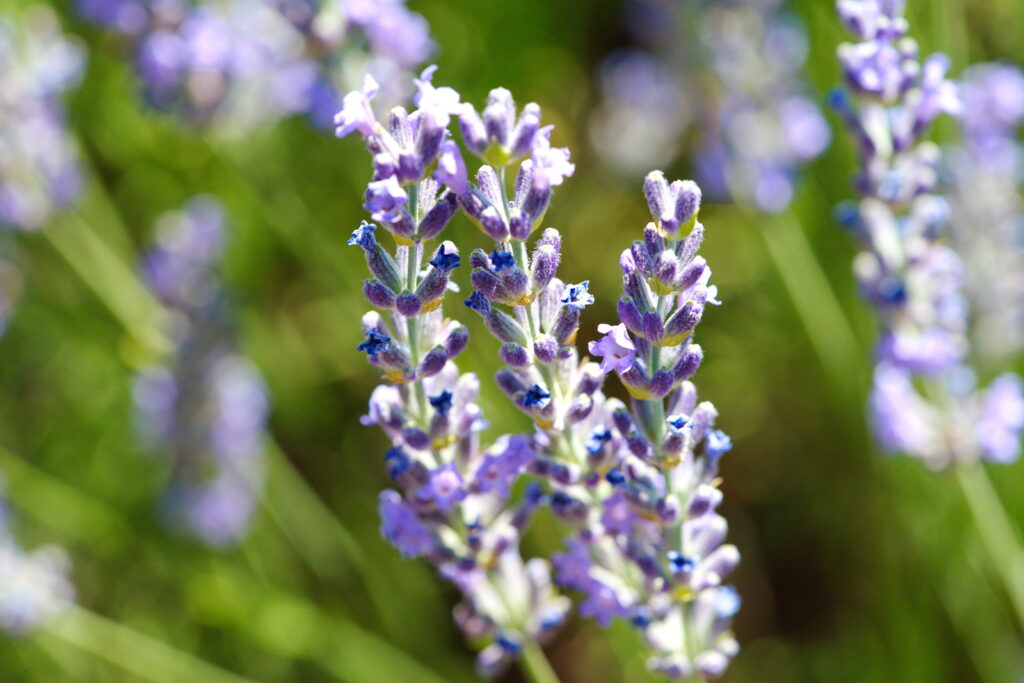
column 912, row 279
column 205, row 405
column 451, row 504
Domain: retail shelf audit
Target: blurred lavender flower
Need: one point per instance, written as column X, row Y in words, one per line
column 38, row 164
column 243, row 63
column 742, row 59
column 205, row 406
column 987, row 224
column 452, row 504
column 923, row 402
column 35, row 587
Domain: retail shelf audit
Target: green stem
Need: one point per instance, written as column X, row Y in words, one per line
column 997, row 532
column 828, row 329
column 535, row 664
column 135, row 652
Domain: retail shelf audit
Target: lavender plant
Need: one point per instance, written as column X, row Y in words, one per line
column 923, row 401
column 453, row 505
column 205, row 406
column 987, row 226
column 255, row 61
column 741, row 61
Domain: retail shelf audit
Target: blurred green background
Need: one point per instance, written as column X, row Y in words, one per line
column 855, row 567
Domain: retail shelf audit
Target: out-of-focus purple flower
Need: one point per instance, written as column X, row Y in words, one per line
column 356, row 111
column 498, row 470
column 39, row 171
column 400, row 525
column 436, row 104
column 204, row 406
column 615, row 349
column 1002, row 419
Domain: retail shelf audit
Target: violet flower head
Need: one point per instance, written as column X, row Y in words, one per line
column 204, row 405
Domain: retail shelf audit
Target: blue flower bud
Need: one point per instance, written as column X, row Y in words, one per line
column 379, row 294
column 515, row 355
column 408, row 304
column 363, row 236
column 442, row 403
column 479, row 303
column 536, row 396
column 375, row 343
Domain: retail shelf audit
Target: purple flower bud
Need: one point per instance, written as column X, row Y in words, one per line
column 688, row 362
column 473, row 204
column 667, row 509
column 433, row 362
column 515, row 355
column 394, row 357
column 479, row 259
column 591, row 379
column 635, row 378
column 438, row 216
column 661, row 383
column 687, row 204
column 488, row 284
column 535, row 203
column 505, row 328
column 519, row 225
column 380, row 295
column 474, row 134
column 499, row 116
column 566, row 323
column 691, row 274
column 683, row 320
column 375, row 343
column 356, row 112
column 634, row 286
column 653, row 241
column 384, row 166
column 630, row 315
column 493, row 224
column 408, row 304
column 416, row 438
column 545, row 348
column 384, row 267
column 544, row 266
column 642, row 258
column 509, row 382
column 665, row 267
column 525, row 130
column 479, row 303
column 580, row 409
column 658, row 196
column 451, row 169
column 654, row 330
column 673, row 443
column 578, row 296
column 363, row 236
column 705, row 499
column 568, row 508
column 639, row 445
column 516, row 282
column 457, row 341
column 703, row 419
column 433, row 286
column 385, row 199
column 490, row 186
column 399, row 126
column 623, row 421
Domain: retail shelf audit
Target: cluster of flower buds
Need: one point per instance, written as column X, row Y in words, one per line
column 648, row 545
column 38, row 165
column 35, row 587
column 204, row 406
column 255, row 61
column 913, row 280
column 452, row 504
column 987, row 222
column 755, row 133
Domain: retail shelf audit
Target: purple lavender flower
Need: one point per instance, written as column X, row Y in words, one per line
column 204, row 406
column 39, row 171
column 914, row 281
column 403, row 528
column 615, row 349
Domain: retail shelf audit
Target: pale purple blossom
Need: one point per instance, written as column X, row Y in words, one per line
column 356, row 111
column 615, row 348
